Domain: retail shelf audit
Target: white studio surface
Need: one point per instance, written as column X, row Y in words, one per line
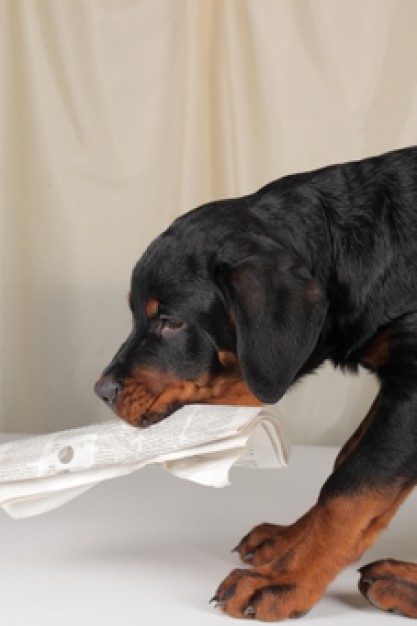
column 151, row 549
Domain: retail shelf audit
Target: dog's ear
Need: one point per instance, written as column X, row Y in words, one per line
column 278, row 309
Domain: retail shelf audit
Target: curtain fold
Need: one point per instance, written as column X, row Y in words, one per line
column 118, row 115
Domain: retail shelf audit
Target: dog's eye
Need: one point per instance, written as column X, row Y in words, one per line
column 170, row 326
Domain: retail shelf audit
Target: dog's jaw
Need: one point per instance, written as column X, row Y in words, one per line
column 148, row 396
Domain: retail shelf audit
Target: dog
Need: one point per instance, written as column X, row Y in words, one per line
column 240, row 298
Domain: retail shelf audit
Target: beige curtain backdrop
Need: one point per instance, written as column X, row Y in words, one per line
column 118, row 115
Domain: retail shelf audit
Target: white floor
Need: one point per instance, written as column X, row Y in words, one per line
column 150, row 549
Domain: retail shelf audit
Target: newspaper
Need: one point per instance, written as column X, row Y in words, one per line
column 197, row 442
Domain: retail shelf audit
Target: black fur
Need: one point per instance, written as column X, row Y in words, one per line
column 311, row 267
column 260, row 291
column 349, row 229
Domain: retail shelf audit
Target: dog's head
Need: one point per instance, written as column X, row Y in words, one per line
column 219, row 316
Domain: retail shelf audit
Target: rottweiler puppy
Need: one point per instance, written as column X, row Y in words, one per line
column 240, row 298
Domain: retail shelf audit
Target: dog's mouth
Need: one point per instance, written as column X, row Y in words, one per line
column 149, row 417
column 148, row 397
column 140, row 400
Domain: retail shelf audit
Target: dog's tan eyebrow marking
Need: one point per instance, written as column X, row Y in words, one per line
column 152, row 307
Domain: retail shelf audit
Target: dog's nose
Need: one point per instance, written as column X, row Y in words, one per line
column 107, row 388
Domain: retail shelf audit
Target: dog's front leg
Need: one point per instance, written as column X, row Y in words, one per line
column 355, row 504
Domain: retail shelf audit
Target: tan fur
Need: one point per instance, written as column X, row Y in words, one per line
column 148, row 396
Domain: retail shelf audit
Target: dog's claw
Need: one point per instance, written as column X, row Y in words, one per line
column 217, row 603
column 246, row 557
column 249, row 610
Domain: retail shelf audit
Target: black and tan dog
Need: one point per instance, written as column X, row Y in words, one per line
column 240, row 298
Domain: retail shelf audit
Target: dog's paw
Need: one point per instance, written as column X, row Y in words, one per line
column 390, row 586
column 266, row 542
column 259, row 546
column 264, row 594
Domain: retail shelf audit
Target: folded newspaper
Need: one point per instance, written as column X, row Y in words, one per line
column 198, row 442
